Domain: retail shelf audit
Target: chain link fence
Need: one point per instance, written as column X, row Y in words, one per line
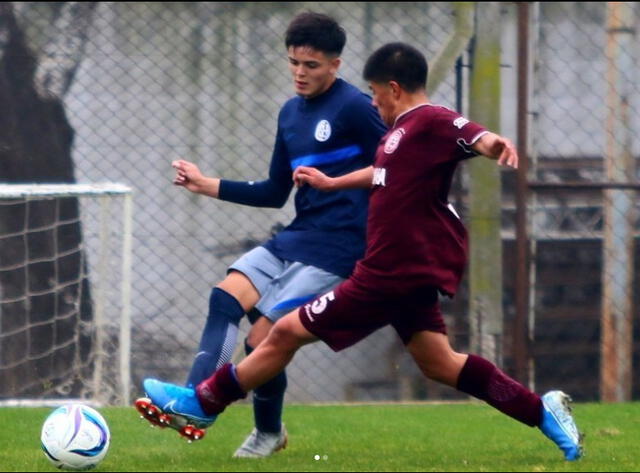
column 585, row 105
column 154, row 82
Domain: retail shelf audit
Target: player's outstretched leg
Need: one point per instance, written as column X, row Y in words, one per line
column 262, row 444
column 558, row 424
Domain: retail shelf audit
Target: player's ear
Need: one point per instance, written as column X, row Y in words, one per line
column 335, row 64
column 396, row 90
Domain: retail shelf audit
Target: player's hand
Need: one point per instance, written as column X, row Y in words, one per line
column 187, row 175
column 317, row 179
column 506, row 152
column 497, row 147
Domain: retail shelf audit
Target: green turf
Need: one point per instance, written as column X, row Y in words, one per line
column 417, row 437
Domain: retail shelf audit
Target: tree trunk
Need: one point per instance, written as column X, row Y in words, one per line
column 35, row 146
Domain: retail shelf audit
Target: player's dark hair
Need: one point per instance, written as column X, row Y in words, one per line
column 319, row 31
column 399, row 62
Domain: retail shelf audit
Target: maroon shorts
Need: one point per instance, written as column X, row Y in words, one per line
column 351, row 312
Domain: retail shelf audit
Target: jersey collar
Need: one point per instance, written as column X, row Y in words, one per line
column 407, row 111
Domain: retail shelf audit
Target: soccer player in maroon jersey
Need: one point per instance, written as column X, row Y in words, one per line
column 416, row 250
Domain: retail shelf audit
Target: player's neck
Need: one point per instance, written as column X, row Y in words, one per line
column 409, row 102
column 414, row 100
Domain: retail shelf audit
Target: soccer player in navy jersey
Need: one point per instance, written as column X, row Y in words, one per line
column 329, row 124
column 416, row 250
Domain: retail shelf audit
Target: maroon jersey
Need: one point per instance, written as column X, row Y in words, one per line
column 414, row 237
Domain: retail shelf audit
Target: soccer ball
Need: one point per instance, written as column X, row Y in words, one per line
column 75, row 437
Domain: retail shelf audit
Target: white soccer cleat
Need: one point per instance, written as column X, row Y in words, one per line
column 262, row 444
column 558, row 424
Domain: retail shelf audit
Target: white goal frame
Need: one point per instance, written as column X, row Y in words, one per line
column 40, row 191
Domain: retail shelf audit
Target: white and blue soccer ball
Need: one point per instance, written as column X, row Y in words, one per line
column 75, row 437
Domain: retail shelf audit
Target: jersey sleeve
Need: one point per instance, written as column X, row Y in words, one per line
column 272, row 192
column 367, row 125
column 455, row 128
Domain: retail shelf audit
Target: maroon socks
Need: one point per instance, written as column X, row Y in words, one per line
column 479, row 378
column 482, row 379
column 218, row 391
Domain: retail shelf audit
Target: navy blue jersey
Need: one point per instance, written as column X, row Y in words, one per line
column 337, row 132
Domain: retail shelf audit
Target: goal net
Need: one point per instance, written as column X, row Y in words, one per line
column 65, row 278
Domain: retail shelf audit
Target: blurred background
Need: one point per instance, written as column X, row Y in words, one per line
column 112, row 92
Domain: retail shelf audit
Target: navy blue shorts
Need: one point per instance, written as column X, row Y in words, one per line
column 349, row 313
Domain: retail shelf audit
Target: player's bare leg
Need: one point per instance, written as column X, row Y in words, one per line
column 274, row 353
column 435, row 357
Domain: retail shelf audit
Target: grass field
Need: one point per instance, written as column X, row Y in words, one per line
column 416, row 437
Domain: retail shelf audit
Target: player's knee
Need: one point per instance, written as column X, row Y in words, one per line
column 225, row 305
column 443, row 369
column 284, row 335
column 434, row 373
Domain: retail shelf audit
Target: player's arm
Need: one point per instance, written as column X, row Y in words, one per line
column 498, row 147
column 267, row 193
column 271, row 192
column 188, row 175
column 362, row 178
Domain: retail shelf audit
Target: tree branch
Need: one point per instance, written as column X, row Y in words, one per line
column 64, row 49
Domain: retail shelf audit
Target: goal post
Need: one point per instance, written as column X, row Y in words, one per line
column 65, row 291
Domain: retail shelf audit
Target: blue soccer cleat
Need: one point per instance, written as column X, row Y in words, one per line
column 177, row 400
column 558, row 424
column 177, row 407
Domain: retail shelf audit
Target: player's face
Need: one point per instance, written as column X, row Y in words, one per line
column 384, row 100
column 313, row 71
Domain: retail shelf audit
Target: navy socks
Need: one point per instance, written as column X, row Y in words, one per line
column 218, row 337
column 268, row 400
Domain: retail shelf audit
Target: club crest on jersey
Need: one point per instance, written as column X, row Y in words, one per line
column 393, row 141
column 460, row 122
column 323, row 130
